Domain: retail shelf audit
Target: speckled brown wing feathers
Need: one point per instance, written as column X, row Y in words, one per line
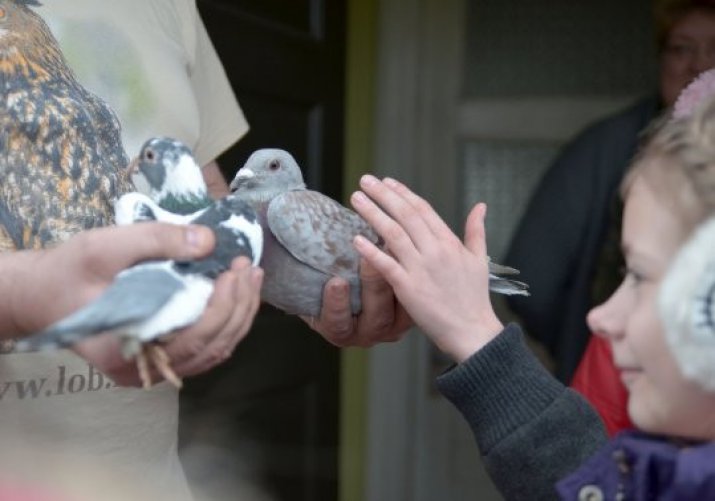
column 318, row 231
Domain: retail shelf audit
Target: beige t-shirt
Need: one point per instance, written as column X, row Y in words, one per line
column 62, row 423
column 136, row 54
column 66, row 426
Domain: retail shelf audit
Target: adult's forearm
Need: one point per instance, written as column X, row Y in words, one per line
column 215, row 182
column 16, row 280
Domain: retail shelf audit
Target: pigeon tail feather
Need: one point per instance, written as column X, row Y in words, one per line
column 507, row 286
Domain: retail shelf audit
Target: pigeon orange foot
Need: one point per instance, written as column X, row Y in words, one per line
column 154, row 355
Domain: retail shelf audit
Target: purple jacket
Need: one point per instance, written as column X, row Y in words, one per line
column 635, row 466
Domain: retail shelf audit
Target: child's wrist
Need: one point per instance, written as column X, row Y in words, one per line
column 474, row 339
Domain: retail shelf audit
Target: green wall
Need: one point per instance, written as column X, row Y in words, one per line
column 360, row 99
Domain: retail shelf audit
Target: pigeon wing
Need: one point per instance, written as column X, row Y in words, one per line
column 135, row 295
column 237, row 231
column 318, row 231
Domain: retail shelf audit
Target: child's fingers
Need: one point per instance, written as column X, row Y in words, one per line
column 396, row 238
column 421, row 206
column 385, row 264
column 397, row 208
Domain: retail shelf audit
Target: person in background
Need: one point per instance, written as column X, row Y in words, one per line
column 153, row 62
column 523, row 419
column 566, row 243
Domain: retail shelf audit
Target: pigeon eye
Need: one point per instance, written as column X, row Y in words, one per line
column 149, row 155
column 274, row 165
column 2, row 13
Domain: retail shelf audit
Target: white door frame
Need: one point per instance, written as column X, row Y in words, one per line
column 418, row 76
column 418, row 448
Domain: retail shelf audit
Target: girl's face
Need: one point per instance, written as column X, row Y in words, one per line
column 660, row 399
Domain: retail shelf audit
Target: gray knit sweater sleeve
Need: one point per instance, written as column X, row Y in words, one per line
column 530, row 429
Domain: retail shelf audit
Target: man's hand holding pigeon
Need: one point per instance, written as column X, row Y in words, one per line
column 382, row 319
column 72, row 274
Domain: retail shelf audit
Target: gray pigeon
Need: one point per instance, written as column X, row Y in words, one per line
column 308, row 236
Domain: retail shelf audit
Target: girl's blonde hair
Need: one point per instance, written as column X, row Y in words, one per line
column 677, row 160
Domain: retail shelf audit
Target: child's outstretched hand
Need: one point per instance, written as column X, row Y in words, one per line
column 440, row 281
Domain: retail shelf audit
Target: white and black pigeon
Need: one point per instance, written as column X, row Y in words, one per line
column 308, row 236
column 152, row 299
column 170, row 185
column 166, row 171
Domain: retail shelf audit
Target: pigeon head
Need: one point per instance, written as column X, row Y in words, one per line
column 166, row 171
column 268, row 172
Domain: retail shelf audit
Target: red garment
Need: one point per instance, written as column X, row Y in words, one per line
column 597, row 379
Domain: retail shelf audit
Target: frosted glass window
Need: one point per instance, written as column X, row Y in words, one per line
column 503, row 174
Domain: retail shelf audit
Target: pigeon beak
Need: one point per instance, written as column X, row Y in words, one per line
column 140, row 182
column 137, row 178
column 242, row 177
column 134, row 167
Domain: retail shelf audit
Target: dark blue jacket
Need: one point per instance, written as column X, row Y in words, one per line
column 562, row 233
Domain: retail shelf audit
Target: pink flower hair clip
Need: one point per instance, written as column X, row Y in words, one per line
column 696, row 93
